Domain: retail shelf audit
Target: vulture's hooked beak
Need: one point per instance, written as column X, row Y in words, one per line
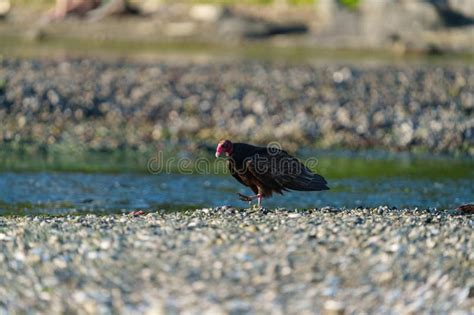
column 218, row 154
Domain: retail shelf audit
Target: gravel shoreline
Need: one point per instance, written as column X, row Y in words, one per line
column 91, row 104
column 233, row 261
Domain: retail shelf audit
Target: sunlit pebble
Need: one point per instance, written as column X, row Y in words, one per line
column 53, row 97
column 21, row 121
column 342, row 75
column 156, row 134
column 333, row 307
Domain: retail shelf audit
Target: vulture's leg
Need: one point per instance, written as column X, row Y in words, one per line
column 259, row 200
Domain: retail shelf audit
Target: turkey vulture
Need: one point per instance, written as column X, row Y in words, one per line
column 267, row 170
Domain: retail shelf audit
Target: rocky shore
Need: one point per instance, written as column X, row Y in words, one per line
column 233, row 261
column 99, row 105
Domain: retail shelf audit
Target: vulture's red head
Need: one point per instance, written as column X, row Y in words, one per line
column 224, row 146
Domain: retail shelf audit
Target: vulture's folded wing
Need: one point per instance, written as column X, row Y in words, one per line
column 234, row 172
column 281, row 170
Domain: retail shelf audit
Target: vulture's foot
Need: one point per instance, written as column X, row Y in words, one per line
column 137, row 213
column 245, row 198
column 250, row 198
column 256, row 207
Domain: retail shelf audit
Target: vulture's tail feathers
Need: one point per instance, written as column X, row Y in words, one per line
column 308, row 182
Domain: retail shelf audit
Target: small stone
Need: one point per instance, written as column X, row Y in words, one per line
column 333, row 307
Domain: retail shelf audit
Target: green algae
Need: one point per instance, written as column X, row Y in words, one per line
column 334, row 164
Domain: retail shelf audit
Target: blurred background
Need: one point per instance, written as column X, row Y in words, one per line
column 379, row 91
column 432, row 26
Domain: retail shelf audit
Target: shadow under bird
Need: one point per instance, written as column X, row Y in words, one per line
column 267, row 170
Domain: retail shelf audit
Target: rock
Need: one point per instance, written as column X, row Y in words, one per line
column 404, row 133
column 5, row 7
column 397, row 25
column 206, row 12
column 464, row 7
column 455, row 12
column 384, row 21
column 333, row 307
column 147, row 7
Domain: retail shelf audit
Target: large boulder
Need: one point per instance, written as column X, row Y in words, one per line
column 385, row 21
column 431, row 26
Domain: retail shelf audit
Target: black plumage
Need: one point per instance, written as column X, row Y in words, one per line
column 268, row 170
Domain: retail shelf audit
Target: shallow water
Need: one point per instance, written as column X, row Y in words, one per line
column 69, row 193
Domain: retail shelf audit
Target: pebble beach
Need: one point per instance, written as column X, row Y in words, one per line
column 239, row 261
column 93, row 104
